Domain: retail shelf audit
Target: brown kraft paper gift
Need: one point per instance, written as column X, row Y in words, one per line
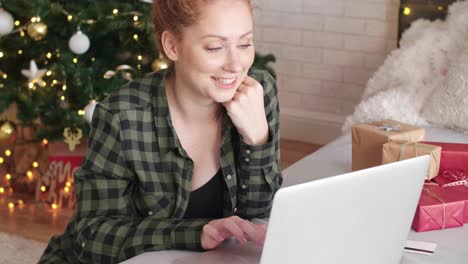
column 368, row 139
column 396, row 151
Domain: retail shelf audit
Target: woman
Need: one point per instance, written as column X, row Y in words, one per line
column 183, row 158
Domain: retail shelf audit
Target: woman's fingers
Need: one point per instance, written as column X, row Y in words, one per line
column 216, row 231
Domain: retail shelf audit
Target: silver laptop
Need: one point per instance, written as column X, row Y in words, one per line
column 359, row 217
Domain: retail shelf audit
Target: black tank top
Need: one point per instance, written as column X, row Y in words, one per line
column 207, row 201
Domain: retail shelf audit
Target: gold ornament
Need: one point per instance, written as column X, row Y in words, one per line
column 37, row 31
column 123, row 69
column 159, row 64
column 72, row 137
column 7, row 129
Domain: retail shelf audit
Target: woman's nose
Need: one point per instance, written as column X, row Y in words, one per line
column 233, row 61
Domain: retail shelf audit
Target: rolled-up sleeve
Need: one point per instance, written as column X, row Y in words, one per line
column 260, row 175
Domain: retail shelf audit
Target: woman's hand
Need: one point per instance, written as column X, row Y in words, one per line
column 247, row 112
column 216, row 231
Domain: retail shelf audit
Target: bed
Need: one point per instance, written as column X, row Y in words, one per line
column 335, row 158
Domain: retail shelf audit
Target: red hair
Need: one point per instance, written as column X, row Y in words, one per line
column 174, row 15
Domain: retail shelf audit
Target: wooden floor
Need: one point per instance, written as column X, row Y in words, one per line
column 36, row 221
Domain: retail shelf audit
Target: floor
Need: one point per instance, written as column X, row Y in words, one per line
column 37, row 221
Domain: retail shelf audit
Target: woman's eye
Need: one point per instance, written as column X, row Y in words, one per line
column 245, row 46
column 213, row 49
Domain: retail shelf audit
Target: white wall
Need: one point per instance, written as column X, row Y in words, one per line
column 326, row 51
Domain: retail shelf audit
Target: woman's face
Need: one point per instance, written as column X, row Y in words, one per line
column 215, row 54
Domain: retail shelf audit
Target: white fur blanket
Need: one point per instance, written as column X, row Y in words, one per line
column 401, row 86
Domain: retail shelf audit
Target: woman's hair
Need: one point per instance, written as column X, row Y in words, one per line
column 174, row 15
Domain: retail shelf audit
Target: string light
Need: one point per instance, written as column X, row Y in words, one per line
column 440, row 8
column 11, row 205
column 17, row 23
column 115, row 11
column 62, row 98
column 140, row 57
column 20, row 203
column 66, row 189
column 64, row 87
column 2, row 190
column 54, row 206
column 31, row 85
column 407, row 11
column 68, row 184
column 8, row 153
column 49, row 55
column 1, row 54
column 43, row 188
column 48, row 73
column 93, row 59
column 81, row 112
column 20, row 52
column 29, row 174
column 135, row 18
column 2, row 160
column 35, row 164
column 5, row 76
column 45, row 141
column 70, row 18
column 8, row 176
column 75, row 60
column 21, row 33
column 139, row 66
column 135, row 37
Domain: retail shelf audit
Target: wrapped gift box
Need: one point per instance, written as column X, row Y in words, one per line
column 395, row 151
column 454, row 156
column 56, row 186
column 438, row 209
column 457, row 183
column 367, row 140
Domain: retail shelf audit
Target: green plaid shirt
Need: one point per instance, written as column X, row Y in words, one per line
column 134, row 184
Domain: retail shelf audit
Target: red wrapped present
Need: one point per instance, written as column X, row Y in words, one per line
column 437, row 209
column 457, row 183
column 454, row 156
column 56, row 186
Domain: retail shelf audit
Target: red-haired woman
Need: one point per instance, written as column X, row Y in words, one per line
column 185, row 157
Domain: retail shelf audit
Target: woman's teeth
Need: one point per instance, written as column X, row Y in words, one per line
column 225, row 81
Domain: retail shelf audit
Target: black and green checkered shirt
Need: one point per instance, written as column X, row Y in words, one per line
column 134, row 184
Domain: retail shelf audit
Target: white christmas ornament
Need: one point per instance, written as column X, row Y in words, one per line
column 34, row 74
column 79, row 43
column 6, row 22
column 89, row 109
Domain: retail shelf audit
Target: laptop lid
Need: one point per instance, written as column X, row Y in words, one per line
column 358, row 217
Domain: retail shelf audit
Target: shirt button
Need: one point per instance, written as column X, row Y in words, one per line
column 150, row 212
column 247, row 159
column 83, row 245
column 229, row 176
column 247, row 151
column 243, row 186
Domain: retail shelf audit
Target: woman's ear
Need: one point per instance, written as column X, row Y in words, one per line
column 169, row 44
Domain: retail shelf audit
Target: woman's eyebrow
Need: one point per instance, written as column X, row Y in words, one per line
column 225, row 38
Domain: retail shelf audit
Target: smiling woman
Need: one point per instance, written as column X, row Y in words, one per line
column 182, row 158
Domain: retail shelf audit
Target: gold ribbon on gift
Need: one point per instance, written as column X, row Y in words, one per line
column 123, row 69
column 440, row 200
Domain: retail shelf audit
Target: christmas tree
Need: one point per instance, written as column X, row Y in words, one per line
column 58, row 58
